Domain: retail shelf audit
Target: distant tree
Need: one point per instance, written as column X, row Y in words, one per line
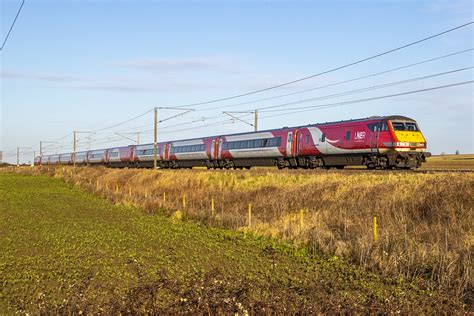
column 443, row 153
column 457, row 151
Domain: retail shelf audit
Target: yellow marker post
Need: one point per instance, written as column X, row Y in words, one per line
column 130, row 191
column 212, row 205
column 106, row 185
column 146, row 194
column 375, row 229
column 250, row 215
column 184, row 201
column 301, row 219
column 164, row 199
column 116, row 188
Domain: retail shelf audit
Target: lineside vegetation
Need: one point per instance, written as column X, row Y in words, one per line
column 65, row 251
column 425, row 231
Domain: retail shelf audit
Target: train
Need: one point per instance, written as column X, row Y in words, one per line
column 377, row 142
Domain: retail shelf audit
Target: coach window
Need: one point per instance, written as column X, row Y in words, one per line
column 307, row 138
column 348, row 135
column 290, row 137
column 323, row 137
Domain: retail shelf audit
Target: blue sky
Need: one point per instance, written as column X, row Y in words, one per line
column 85, row 65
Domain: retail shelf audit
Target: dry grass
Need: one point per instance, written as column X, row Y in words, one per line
column 425, row 227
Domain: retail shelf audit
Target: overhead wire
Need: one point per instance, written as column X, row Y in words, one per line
column 385, row 85
column 302, row 91
column 333, row 69
column 340, row 82
column 309, row 108
column 345, row 93
column 121, row 123
column 12, row 25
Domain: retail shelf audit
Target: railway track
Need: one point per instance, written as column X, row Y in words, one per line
column 413, row 171
column 427, row 171
column 299, row 171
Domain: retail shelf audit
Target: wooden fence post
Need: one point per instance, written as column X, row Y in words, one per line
column 375, row 229
column 301, row 219
column 250, row 215
column 184, row 202
column 212, row 206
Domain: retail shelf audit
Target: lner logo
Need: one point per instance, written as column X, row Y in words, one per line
column 359, row 135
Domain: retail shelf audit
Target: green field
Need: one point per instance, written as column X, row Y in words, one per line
column 64, row 250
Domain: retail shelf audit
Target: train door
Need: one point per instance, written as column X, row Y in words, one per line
column 289, row 140
column 294, row 143
column 215, row 148
column 167, row 152
column 220, row 149
column 303, row 142
column 374, row 139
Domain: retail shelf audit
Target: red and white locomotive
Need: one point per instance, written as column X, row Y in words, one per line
column 376, row 142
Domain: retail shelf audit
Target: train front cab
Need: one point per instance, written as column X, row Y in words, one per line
column 408, row 146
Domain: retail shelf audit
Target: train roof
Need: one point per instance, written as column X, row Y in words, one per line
column 370, row 118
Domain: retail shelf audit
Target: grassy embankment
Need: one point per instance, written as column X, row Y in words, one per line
column 65, row 251
column 425, row 227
